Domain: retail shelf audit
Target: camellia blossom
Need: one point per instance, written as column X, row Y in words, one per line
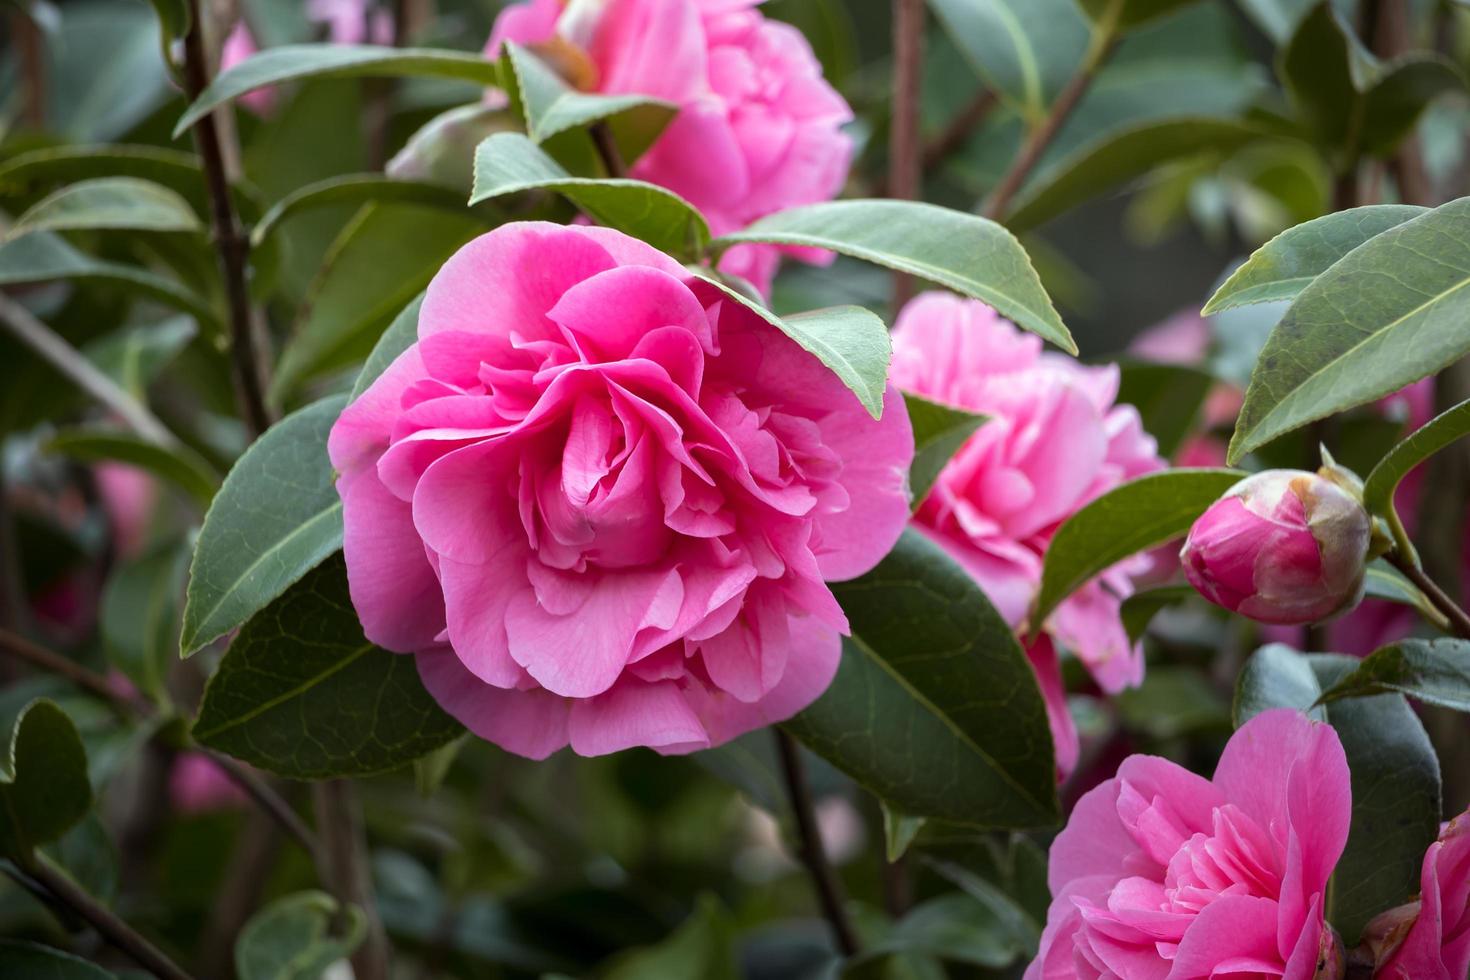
column 346, row 22
column 1161, row 873
column 1054, row 441
column 1436, row 943
column 1281, row 546
column 758, row 128
column 599, row 499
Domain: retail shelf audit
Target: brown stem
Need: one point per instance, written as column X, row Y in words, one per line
column 959, row 130
column 32, row 52
column 268, row 800
column 1105, row 40
column 607, row 149
column 905, row 146
column 339, row 823
column 1459, row 619
column 809, row 845
column 99, row 917
column 231, row 243
column 243, row 886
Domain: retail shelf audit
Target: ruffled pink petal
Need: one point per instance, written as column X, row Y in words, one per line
column 606, row 315
column 634, row 713
column 652, row 47
column 1065, row 742
column 1233, row 934
column 530, row 723
column 529, row 22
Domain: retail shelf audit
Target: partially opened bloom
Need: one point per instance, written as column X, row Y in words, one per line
column 1437, row 944
column 1055, row 440
column 599, row 500
column 758, row 128
column 1161, row 873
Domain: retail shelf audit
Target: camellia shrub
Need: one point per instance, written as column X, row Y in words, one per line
column 710, row 488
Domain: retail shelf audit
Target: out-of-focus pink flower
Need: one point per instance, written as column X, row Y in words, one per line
column 1184, row 339
column 758, row 128
column 1437, row 944
column 1161, row 873
column 599, row 500
column 197, row 785
column 128, row 496
column 346, row 22
column 1281, row 546
column 1054, row 441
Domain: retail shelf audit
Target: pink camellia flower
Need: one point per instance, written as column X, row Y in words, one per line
column 1436, row 943
column 1054, row 441
column 128, row 495
column 599, row 499
column 1161, row 873
column 197, row 785
column 346, row 22
column 1281, row 546
column 758, row 128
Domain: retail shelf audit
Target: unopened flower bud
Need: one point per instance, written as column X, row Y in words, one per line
column 1282, row 546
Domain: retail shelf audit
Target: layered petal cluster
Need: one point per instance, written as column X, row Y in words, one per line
column 1055, row 440
column 1161, row 874
column 600, row 501
column 1436, row 945
column 344, row 21
column 758, row 128
column 1281, row 546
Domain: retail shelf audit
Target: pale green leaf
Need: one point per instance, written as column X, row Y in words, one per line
column 129, row 203
column 293, row 938
column 939, row 432
column 1439, row 432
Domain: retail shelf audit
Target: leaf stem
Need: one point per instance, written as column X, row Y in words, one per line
column 232, row 245
column 809, row 843
column 1105, row 38
column 339, row 822
column 1459, row 619
column 99, row 917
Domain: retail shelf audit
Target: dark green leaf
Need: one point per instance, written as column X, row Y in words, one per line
column 509, row 163
column 302, row 694
column 1173, row 701
column 173, row 17
column 293, row 938
column 1168, row 398
column 103, row 72
column 399, row 337
column 353, row 189
column 33, row 961
column 296, row 61
column 956, row 927
column 1432, row 671
column 43, row 779
column 429, row 770
column 26, row 173
column 1129, row 13
column 275, row 518
column 1276, row 676
column 939, row 432
column 140, row 618
column 963, row 252
column 1027, row 50
column 1277, row 19
column 1439, row 432
column 935, row 709
column 134, row 356
column 1397, row 100
column 704, row 946
column 110, row 202
column 551, row 106
column 177, row 464
column 1139, row 609
column 1128, row 519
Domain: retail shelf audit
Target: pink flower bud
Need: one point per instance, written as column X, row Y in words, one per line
column 1283, row 546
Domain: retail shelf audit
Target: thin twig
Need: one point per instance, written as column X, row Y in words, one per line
column 1459, row 619
column 268, row 799
column 231, row 243
column 99, row 917
column 242, row 887
column 809, row 844
column 959, row 130
column 1104, row 41
column 339, row 821
column 607, row 149
column 29, row 44
column 54, row 350
column 905, row 146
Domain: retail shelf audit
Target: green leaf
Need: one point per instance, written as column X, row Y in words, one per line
column 176, row 464
column 1392, row 311
column 276, row 517
column 1027, row 50
column 103, row 72
column 1130, row 518
column 401, row 334
column 26, row 173
column 1139, row 609
column 291, row 62
column 957, row 927
column 1406, row 87
column 1439, row 432
column 353, row 189
column 134, row 356
column 704, row 946
column 301, row 693
column 36, row 962
column 934, row 709
column 1432, row 671
column 380, row 261
column 429, row 770
column 899, row 830
column 43, row 780
column 1277, row 19
column 1287, row 264
column 551, row 106
column 110, row 202
column 139, row 619
column 174, row 17
column 1173, row 702
column 442, row 151
column 44, row 257
column 939, row 432
column 509, row 163
column 1276, row 676
column 964, row 252
column 292, row 938
column 1384, row 582
column 1130, row 13
column 1168, row 398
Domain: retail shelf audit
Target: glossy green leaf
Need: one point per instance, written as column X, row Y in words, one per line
column 551, row 106
column 293, row 938
column 177, row 464
column 379, row 262
column 44, row 789
column 303, row 694
column 139, row 619
column 704, row 946
column 1287, row 264
column 399, row 337
column 1436, row 434
column 899, row 830
column 1130, row 518
column 292, row 62
column 276, row 517
column 353, row 189
column 44, row 257
column 36, row 962
column 1393, row 310
column 1276, row 676
column 1130, row 13
column 1025, row 49
column 1168, row 397
column 939, row 432
column 509, row 163
column 934, row 709
column 1432, row 671
column 442, row 151
column 963, row 252
column 110, row 202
